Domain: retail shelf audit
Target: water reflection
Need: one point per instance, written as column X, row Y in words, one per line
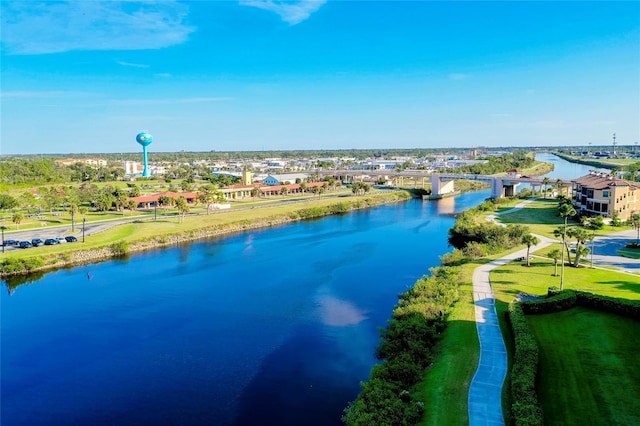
column 339, row 313
column 446, row 206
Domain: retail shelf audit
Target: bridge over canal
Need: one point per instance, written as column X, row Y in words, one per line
column 442, row 184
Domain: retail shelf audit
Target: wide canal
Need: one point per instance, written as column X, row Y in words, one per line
column 268, row 327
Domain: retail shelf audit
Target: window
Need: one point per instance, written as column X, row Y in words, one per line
column 605, row 194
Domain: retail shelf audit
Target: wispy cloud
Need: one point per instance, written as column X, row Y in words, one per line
column 292, row 12
column 31, row 28
column 130, row 64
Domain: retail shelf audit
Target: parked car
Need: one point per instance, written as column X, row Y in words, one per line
column 25, row 244
column 37, row 242
column 71, row 239
column 61, row 240
column 11, row 242
column 51, row 242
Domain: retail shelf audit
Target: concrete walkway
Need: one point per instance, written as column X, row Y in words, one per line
column 485, row 392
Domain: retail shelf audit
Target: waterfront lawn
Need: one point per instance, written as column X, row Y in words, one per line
column 589, row 368
column 446, row 385
column 514, row 277
column 541, row 216
column 170, row 225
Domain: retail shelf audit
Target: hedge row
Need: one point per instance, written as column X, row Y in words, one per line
column 406, row 350
column 525, row 406
column 627, row 308
column 555, row 303
column 13, row 266
column 526, row 409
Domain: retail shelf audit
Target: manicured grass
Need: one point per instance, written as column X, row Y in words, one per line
column 513, row 278
column 169, row 224
column 509, row 280
column 630, row 252
column 588, row 370
column 446, row 385
column 541, row 216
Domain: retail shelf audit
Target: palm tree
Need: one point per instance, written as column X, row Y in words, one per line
column 582, row 236
column 595, row 224
column 565, row 211
column 183, row 208
column 546, row 181
column 165, row 201
column 17, row 218
column 555, row 255
column 559, row 185
column 529, row 240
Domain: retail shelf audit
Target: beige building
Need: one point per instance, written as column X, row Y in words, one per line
column 602, row 194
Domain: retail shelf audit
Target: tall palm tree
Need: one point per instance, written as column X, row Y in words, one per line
column 565, row 211
column 559, row 185
column 582, row 236
column 595, row 223
column 546, row 181
column 529, row 240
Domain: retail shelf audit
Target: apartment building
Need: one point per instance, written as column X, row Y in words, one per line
column 599, row 193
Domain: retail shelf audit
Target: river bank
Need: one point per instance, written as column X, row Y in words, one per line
column 118, row 247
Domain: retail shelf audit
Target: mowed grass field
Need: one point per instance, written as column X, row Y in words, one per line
column 542, row 218
column 589, row 370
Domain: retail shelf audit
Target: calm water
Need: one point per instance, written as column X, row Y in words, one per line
column 271, row 327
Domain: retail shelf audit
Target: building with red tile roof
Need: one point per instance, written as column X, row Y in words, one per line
column 606, row 195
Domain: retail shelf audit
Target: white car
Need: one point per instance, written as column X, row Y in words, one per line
column 61, row 240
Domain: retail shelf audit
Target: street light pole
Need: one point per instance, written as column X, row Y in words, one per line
column 84, row 221
column 3, row 228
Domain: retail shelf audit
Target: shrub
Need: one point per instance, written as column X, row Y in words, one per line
column 119, row 248
column 624, row 307
column 526, row 408
column 13, row 266
column 559, row 302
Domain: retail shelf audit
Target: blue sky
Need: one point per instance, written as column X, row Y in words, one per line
column 87, row 76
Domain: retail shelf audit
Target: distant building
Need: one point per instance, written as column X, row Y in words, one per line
column 273, row 180
column 605, row 195
column 93, row 162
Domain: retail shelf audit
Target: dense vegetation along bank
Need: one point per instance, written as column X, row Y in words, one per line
column 393, row 394
column 205, row 227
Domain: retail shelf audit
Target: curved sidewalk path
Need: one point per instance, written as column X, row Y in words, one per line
column 485, row 391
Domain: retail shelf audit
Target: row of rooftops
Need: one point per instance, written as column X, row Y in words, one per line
column 600, row 180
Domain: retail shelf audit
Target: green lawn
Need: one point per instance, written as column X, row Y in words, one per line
column 446, row 385
column 170, row 224
column 513, row 278
column 541, row 216
column 589, row 370
column 632, row 253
